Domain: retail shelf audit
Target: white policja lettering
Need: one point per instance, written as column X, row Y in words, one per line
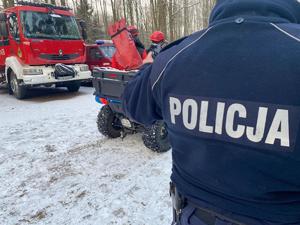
column 190, row 116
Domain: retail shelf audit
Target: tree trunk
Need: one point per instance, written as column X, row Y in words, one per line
column 186, row 17
column 171, row 20
column 137, row 14
column 162, row 9
column 130, row 8
column 124, row 9
column 114, row 10
column 11, row 3
column 5, row 4
column 103, row 8
column 153, row 6
column 97, row 12
column 75, row 5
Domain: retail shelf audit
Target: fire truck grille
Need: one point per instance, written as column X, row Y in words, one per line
column 59, row 57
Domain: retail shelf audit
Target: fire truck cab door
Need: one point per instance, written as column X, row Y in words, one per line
column 14, row 35
column 95, row 57
column 4, row 40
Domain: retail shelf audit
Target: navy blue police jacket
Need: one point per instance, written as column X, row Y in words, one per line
column 230, row 97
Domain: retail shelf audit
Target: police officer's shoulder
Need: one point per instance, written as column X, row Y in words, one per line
column 174, row 43
column 169, row 53
column 290, row 29
column 184, row 40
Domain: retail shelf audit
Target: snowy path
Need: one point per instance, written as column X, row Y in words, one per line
column 55, row 168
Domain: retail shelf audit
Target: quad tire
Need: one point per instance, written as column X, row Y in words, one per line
column 74, row 86
column 108, row 123
column 156, row 138
column 15, row 88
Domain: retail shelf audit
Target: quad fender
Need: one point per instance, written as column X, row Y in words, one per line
column 13, row 63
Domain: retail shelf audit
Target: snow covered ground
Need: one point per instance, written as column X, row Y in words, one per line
column 55, row 168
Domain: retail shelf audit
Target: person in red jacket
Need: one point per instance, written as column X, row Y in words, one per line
column 158, row 37
column 158, row 42
column 138, row 44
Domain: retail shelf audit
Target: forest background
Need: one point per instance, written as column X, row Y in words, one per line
column 176, row 18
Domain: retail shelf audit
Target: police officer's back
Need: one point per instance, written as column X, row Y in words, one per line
column 231, row 101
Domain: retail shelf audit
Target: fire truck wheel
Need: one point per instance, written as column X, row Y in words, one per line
column 108, row 123
column 15, row 88
column 156, row 138
column 73, row 86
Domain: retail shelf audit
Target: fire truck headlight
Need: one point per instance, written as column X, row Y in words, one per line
column 84, row 68
column 32, row 71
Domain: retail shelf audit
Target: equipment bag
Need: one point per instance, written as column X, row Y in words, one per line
column 127, row 54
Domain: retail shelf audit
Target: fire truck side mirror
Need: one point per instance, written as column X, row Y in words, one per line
column 82, row 24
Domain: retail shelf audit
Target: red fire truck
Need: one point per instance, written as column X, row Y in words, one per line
column 40, row 44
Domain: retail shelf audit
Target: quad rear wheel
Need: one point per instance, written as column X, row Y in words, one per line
column 156, row 138
column 108, row 123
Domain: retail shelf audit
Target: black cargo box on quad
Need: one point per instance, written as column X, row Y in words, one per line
column 110, row 84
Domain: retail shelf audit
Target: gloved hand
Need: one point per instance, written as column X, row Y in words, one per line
column 148, row 59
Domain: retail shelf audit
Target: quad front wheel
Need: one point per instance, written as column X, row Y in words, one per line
column 156, row 138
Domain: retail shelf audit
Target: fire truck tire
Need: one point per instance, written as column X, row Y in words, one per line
column 108, row 123
column 15, row 88
column 156, row 138
column 73, row 86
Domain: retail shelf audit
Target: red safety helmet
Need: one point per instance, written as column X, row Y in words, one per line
column 157, row 36
column 133, row 30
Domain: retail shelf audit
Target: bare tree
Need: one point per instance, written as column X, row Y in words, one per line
column 8, row 3
column 175, row 18
column 114, row 9
column 104, row 13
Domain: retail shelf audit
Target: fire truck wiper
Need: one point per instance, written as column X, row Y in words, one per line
column 43, row 37
column 70, row 38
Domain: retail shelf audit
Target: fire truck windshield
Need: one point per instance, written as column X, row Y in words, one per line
column 49, row 26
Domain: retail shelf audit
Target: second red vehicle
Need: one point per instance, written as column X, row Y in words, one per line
column 100, row 54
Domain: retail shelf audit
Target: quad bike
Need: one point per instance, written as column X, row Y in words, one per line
column 109, row 84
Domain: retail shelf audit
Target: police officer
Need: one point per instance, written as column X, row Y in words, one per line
column 230, row 98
